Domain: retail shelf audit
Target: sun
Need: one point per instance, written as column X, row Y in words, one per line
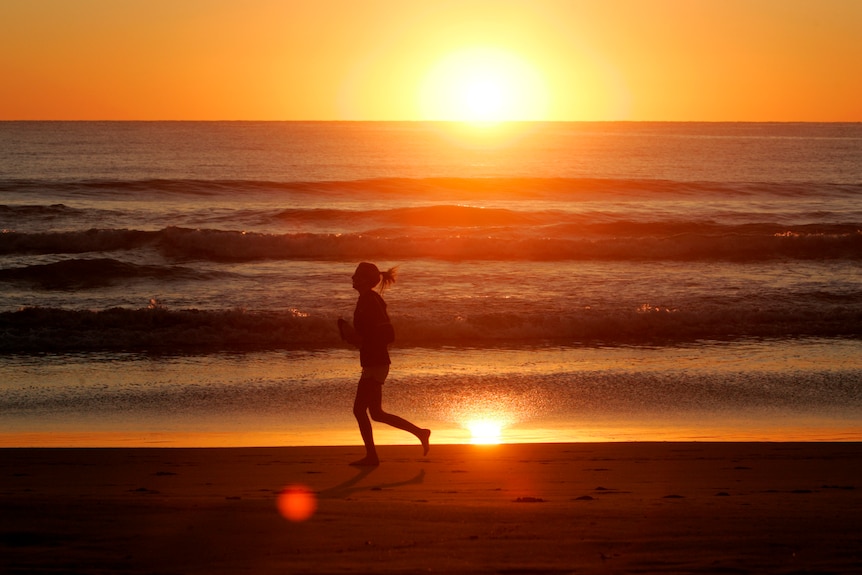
column 483, row 85
column 483, row 98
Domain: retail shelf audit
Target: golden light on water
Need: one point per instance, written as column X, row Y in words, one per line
column 485, row 415
column 485, row 431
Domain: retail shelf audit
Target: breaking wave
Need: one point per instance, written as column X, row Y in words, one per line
column 37, row 329
column 676, row 241
column 97, row 272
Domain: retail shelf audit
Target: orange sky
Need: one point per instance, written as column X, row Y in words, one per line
column 712, row 60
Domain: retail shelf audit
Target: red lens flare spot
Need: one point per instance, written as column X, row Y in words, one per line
column 296, row 503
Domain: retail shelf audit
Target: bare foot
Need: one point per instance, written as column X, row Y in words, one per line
column 424, row 437
column 367, row 461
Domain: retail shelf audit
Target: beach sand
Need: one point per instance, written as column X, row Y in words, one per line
column 511, row 509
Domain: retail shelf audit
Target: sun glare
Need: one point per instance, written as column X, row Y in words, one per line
column 483, row 98
column 483, row 85
column 485, row 432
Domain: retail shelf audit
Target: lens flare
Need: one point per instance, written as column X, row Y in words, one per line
column 296, row 503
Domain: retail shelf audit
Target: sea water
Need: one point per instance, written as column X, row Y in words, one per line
column 178, row 282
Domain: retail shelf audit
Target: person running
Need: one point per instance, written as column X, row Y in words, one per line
column 372, row 333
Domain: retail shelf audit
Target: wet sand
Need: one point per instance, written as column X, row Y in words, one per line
column 511, row 509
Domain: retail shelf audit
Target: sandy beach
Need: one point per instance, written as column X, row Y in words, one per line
column 520, row 508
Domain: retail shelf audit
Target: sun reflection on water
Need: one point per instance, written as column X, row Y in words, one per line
column 487, row 415
column 485, row 431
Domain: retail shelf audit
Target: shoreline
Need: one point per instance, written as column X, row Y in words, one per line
column 624, row 507
column 802, row 390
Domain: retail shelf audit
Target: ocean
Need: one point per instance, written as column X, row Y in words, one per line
column 178, row 283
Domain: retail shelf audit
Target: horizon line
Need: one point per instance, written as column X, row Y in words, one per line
column 465, row 122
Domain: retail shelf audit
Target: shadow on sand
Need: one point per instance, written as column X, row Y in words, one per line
column 352, row 486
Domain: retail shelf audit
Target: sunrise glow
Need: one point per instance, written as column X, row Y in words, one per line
column 479, row 61
column 483, row 85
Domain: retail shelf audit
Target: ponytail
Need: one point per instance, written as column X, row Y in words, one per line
column 387, row 278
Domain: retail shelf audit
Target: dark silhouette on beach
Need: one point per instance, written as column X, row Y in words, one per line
column 372, row 333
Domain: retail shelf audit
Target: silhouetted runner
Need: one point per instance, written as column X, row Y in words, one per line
column 372, row 332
